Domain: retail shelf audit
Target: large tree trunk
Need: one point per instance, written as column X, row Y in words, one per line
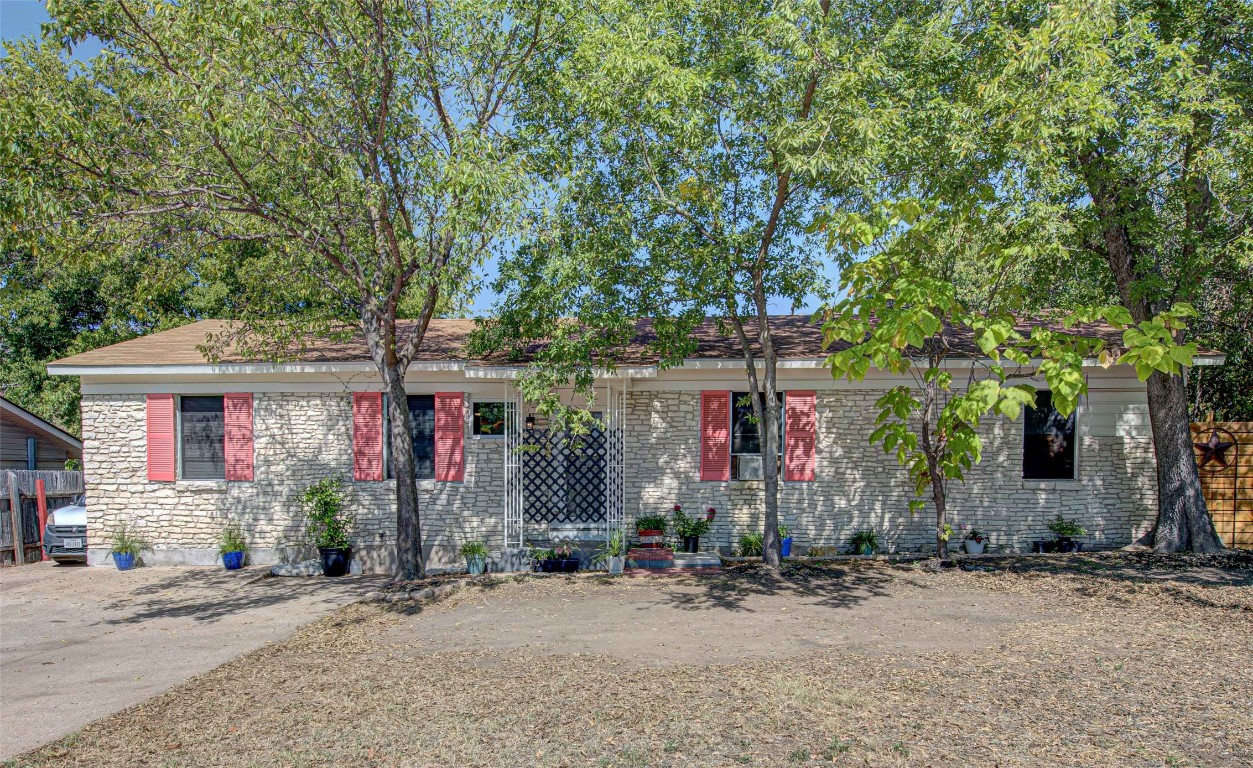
column 380, row 336
column 1183, row 523
column 772, row 549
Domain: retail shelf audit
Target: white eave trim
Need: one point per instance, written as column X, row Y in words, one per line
column 228, row 369
column 30, row 419
column 516, row 371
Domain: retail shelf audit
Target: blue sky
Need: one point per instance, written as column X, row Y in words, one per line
column 22, row 18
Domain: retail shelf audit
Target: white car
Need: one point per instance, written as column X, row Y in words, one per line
column 65, row 535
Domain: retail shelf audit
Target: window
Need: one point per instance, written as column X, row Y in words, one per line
column 489, row 419
column 746, row 438
column 1048, row 446
column 201, row 438
column 422, row 423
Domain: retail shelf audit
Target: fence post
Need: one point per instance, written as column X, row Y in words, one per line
column 41, row 498
column 15, row 510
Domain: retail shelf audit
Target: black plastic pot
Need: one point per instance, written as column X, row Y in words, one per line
column 1070, row 546
column 569, row 564
column 1044, row 545
column 691, row 544
column 335, row 561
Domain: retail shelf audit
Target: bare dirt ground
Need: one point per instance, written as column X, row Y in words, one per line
column 1079, row 661
column 78, row 643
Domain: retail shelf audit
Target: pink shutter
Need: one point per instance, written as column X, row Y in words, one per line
column 449, row 437
column 715, row 435
column 161, row 438
column 800, row 435
column 237, row 407
column 367, row 435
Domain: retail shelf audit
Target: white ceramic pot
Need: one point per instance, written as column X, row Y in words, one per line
column 974, row 547
column 616, row 564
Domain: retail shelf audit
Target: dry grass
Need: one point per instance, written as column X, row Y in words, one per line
column 1131, row 668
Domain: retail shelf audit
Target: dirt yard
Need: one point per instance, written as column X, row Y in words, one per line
column 1097, row 661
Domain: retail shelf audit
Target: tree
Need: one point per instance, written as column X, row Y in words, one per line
column 909, row 309
column 690, row 146
column 1128, row 120
column 52, row 308
column 367, row 148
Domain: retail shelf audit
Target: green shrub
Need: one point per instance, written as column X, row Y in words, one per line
column 651, row 523
column 126, row 542
column 752, row 545
column 1065, row 529
column 328, row 523
column 685, row 525
column 615, row 546
column 863, row 539
column 232, row 540
column 474, row 549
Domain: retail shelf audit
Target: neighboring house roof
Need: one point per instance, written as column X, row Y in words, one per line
column 13, row 411
column 794, row 337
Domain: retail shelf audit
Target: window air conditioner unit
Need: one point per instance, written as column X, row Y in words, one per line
column 748, row 468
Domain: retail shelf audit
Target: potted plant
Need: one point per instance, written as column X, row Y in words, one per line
column 475, row 553
column 690, row 529
column 975, row 540
column 864, row 543
column 543, row 559
column 125, row 546
column 329, row 525
column 785, row 541
column 752, row 545
column 232, row 547
column 612, row 554
column 651, row 530
column 1065, row 530
column 566, row 560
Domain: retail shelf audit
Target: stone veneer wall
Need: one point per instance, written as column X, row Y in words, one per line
column 298, row 439
column 858, row 486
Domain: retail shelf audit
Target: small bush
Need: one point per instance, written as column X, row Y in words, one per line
column 752, row 545
column 328, row 524
column 474, row 549
column 125, row 542
column 232, row 540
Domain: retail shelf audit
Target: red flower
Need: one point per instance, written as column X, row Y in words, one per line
column 678, row 508
column 709, row 514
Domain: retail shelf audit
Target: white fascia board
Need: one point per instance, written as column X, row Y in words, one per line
column 235, row 369
column 708, row 364
column 513, row 372
column 33, row 421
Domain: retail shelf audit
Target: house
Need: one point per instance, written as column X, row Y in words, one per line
column 29, row 442
column 178, row 446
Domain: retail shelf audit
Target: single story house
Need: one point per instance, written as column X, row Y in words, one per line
column 29, row 442
column 178, row 447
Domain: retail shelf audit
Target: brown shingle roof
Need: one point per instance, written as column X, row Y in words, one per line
column 795, row 337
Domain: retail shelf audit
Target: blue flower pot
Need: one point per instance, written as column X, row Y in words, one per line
column 475, row 565
column 124, row 560
column 786, row 547
column 233, row 560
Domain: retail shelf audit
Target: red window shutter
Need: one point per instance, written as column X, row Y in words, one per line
column 161, row 438
column 237, row 407
column 800, row 435
column 367, row 435
column 715, row 435
column 449, row 437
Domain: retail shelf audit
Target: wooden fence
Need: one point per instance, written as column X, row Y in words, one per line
column 1227, row 477
column 19, row 509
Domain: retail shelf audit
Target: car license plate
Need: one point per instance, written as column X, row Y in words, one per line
column 73, row 543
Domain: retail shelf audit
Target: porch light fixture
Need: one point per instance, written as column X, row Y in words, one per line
column 530, row 421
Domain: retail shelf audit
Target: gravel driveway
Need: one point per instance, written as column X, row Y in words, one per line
column 80, row 643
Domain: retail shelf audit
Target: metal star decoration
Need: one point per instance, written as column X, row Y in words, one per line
column 1214, row 449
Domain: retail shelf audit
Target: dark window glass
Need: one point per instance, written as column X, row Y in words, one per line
column 745, row 436
column 489, row 418
column 422, row 422
column 1048, row 448
column 202, row 442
